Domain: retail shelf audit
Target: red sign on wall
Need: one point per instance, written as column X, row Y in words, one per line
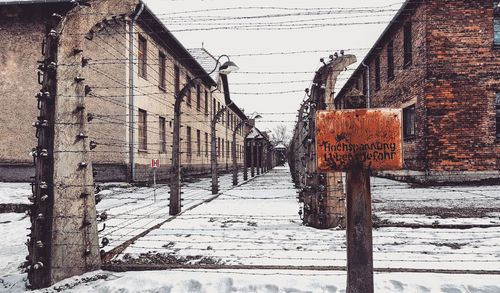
column 367, row 138
column 155, row 163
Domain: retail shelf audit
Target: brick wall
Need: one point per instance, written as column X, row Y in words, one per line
column 452, row 81
column 463, row 76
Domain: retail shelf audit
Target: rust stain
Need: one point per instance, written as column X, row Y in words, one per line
column 369, row 139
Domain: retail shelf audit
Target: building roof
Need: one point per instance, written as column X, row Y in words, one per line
column 396, row 21
column 16, row 2
column 209, row 63
column 206, row 60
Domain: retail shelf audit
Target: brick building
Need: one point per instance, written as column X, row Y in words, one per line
column 135, row 68
column 439, row 62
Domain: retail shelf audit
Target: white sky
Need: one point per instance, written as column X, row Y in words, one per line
column 354, row 39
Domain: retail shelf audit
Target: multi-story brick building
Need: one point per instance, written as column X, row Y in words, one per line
column 135, row 68
column 439, row 62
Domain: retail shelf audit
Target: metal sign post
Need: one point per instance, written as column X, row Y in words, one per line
column 357, row 141
column 155, row 164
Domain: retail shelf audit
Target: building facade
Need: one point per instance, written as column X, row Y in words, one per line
column 134, row 68
column 439, row 62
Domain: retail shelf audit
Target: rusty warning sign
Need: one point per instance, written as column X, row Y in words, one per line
column 369, row 138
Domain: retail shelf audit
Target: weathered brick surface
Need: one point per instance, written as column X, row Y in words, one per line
column 452, row 81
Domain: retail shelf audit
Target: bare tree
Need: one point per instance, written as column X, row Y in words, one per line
column 281, row 134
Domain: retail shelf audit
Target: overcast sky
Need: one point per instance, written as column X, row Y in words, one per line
column 270, row 30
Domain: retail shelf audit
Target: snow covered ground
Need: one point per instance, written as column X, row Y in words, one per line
column 227, row 281
column 133, row 210
column 257, row 224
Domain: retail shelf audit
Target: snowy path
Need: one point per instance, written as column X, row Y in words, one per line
column 257, row 224
column 132, row 211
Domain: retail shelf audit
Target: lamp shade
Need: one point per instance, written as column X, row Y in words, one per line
column 228, row 67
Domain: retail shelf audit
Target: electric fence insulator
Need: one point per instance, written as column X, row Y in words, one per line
column 44, row 198
column 82, row 135
column 39, row 244
column 90, row 117
column 41, row 124
column 38, row 265
column 88, row 90
column 40, row 217
column 53, row 34
column 57, row 17
column 83, row 165
column 79, row 79
column 103, row 216
column 77, row 51
column 85, row 61
column 84, row 195
column 43, row 185
column 104, row 242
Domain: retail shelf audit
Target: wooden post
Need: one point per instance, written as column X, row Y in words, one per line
column 359, row 232
column 359, row 221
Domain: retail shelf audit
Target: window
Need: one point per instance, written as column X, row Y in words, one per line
column 408, row 46
column 188, row 141
column 198, row 143
column 206, row 144
column 227, row 149
column 390, row 61
column 496, row 23
column 163, row 136
column 377, row 73
column 142, row 54
column 409, row 122
column 213, row 106
column 218, row 146
column 206, row 102
column 365, row 84
column 198, row 97
column 497, row 107
column 162, row 71
column 177, row 81
column 143, row 130
column 222, row 148
column 188, row 92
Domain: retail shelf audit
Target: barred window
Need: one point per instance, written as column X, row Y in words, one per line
column 177, row 81
column 496, row 22
column 143, row 130
column 206, row 102
column 188, row 92
column 163, row 136
column 142, row 57
column 206, row 144
column 162, row 71
column 188, row 142
column 198, row 143
column 377, row 73
column 497, row 108
column 409, row 122
column 390, row 61
column 408, row 46
column 198, row 97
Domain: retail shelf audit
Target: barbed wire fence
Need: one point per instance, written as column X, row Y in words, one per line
column 90, row 97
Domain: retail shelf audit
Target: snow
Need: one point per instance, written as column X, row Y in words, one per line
column 16, row 193
column 257, row 224
column 225, row 281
